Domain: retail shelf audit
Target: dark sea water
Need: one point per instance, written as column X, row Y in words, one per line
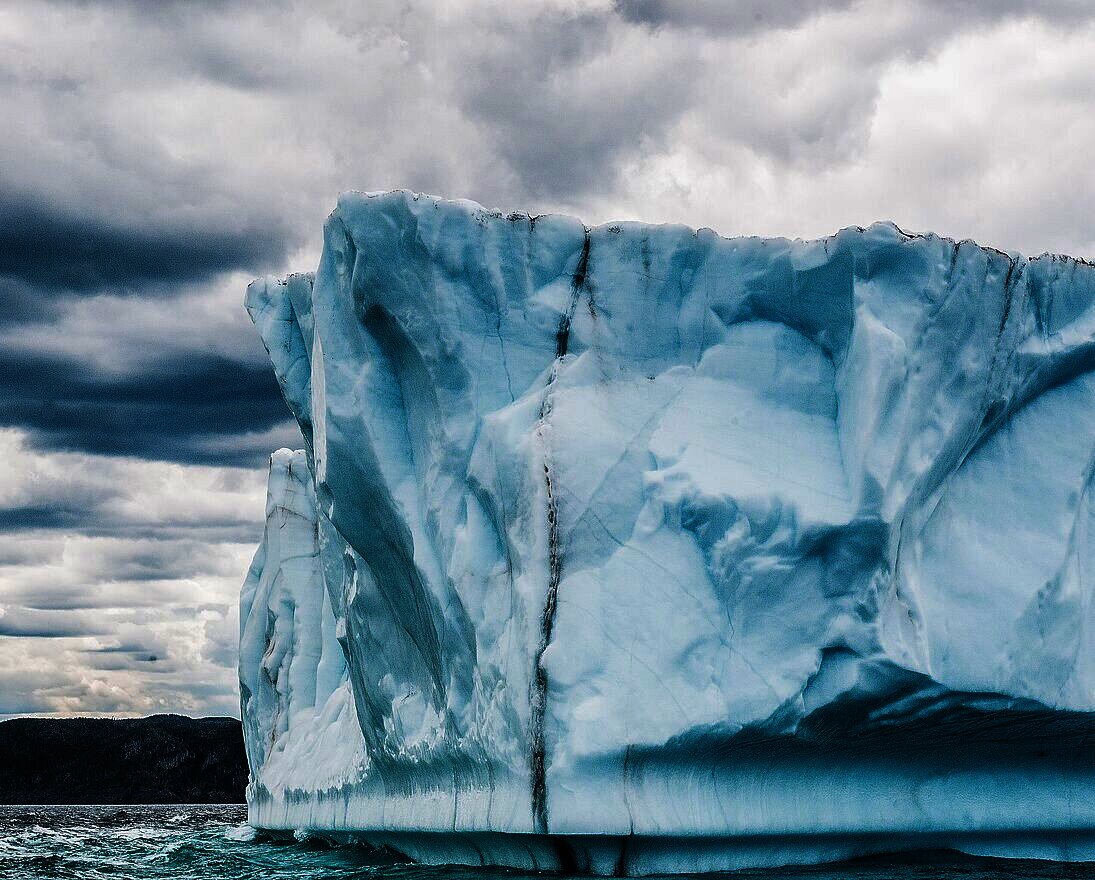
column 200, row 842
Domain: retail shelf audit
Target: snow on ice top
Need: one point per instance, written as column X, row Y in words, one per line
column 724, row 552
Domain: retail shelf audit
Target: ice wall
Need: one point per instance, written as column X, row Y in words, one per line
column 650, row 550
column 299, row 724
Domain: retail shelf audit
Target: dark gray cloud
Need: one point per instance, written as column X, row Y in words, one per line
column 736, row 16
column 1061, row 11
column 170, row 412
column 105, row 184
column 52, row 624
column 61, row 248
column 149, row 656
column 745, row 17
column 42, row 516
column 21, row 302
column 565, row 97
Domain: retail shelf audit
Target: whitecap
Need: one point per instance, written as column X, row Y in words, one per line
column 240, row 833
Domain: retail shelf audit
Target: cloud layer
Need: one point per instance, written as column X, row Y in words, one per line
column 120, row 578
column 159, row 155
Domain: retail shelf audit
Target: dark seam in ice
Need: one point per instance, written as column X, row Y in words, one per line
column 538, row 696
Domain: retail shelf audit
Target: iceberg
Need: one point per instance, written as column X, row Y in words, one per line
column 633, row 549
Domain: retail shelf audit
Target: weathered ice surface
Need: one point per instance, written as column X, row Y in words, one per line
column 636, row 549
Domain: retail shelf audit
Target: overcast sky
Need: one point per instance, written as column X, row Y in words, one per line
column 156, row 156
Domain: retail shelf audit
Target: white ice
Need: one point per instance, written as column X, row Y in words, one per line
column 637, row 549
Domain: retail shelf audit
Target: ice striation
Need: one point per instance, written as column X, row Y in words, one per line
column 634, row 549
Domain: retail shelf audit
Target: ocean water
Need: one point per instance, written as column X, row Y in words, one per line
column 199, row 842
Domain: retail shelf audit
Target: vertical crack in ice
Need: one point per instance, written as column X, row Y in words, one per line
column 538, row 701
column 620, row 869
column 562, row 335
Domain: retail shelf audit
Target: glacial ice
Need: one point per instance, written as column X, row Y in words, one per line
column 634, row 549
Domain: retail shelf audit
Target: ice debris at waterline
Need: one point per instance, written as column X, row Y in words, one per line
column 634, row 549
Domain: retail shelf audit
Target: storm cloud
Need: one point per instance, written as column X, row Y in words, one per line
column 158, row 156
column 182, row 411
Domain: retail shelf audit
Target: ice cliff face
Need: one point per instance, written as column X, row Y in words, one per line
column 297, row 709
column 638, row 549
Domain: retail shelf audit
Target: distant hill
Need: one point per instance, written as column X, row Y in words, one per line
column 156, row 760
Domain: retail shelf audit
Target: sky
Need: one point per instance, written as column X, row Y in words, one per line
column 157, row 156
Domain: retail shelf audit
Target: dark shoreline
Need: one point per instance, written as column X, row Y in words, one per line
column 161, row 759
